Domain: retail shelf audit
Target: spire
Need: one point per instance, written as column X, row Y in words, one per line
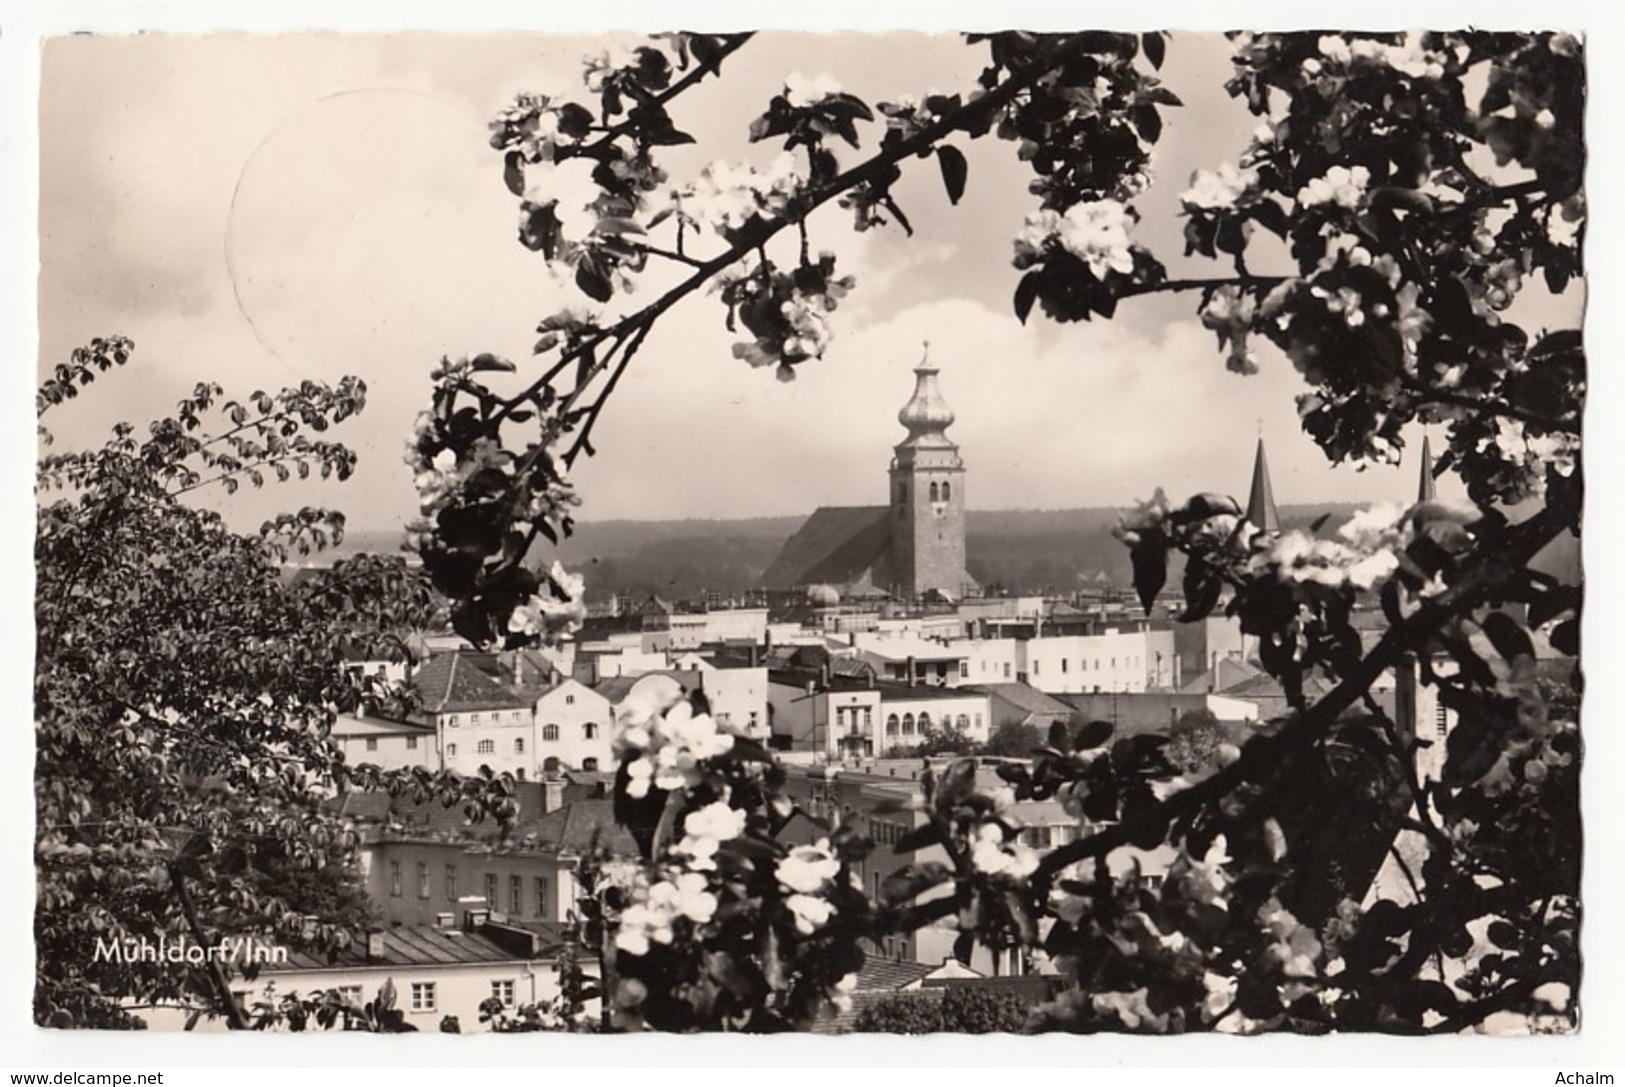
column 1426, row 491
column 1261, row 511
column 926, row 415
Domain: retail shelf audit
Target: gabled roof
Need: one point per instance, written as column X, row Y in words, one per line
column 837, row 545
column 453, row 682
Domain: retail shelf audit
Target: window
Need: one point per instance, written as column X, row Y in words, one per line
column 590, row 764
column 1441, row 722
column 868, row 717
column 451, row 883
column 423, row 996
column 1037, row 837
column 925, row 722
column 473, row 718
column 569, row 700
column 1064, row 663
column 395, row 879
column 947, row 491
column 411, row 743
column 964, row 669
column 518, row 745
column 1006, row 669
column 590, row 730
column 423, row 880
column 516, row 895
column 902, row 492
column 1035, row 666
column 372, row 743
column 451, row 751
column 452, row 720
column 908, row 724
column 502, row 991
column 963, row 723
column 519, row 774
column 486, row 747
column 350, row 994
column 491, row 889
column 550, row 733
column 935, row 496
column 541, row 897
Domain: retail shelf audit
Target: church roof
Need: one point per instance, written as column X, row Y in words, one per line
column 837, row 545
column 1261, row 512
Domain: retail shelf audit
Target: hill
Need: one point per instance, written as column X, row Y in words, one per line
column 1016, row 550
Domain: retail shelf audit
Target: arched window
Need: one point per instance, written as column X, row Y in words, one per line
column 963, row 722
column 487, row 747
column 891, row 724
column 550, row 765
column 934, row 495
column 947, row 491
column 925, row 722
column 589, row 764
column 550, row 732
column 519, row 774
column 902, row 492
column 908, row 724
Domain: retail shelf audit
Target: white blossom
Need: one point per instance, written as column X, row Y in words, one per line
column 1218, row 189
column 1342, row 185
column 803, row 90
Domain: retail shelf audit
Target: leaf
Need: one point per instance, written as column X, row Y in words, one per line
column 1150, row 561
column 1026, row 295
column 954, row 171
column 1092, row 735
column 513, row 172
column 964, row 947
column 926, row 834
column 1509, row 638
column 594, row 283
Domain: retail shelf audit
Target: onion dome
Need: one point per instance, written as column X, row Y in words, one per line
column 927, row 414
column 823, row 596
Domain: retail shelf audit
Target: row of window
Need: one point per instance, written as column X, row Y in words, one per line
column 516, row 888
column 411, row 743
column 908, row 724
column 939, row 492
column 455, row 720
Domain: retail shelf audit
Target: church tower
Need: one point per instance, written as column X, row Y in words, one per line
column 928, row 496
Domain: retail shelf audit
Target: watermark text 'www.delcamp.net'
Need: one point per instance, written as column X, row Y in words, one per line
column 89, row 1079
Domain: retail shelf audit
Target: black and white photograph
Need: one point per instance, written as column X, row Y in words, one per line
column 1056, row 532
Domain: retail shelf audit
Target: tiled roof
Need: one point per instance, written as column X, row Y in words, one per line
column 837, row 545
column 452, row 682
column 579, row 826
column 1026, row 698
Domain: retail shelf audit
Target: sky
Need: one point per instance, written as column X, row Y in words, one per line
column 257, row 210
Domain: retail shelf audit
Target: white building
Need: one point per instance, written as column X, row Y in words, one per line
column 391, row 745
column 573, row 728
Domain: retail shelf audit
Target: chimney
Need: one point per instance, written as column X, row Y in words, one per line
column 910, row 677
column 823, row 673
column 375, row 946
column 755, row 655
column 444, row 920
column 552, row 794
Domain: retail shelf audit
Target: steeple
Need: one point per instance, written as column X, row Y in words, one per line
column 1261, row 512
column 1426, row 491
column 928, row 496
column 926, row 415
